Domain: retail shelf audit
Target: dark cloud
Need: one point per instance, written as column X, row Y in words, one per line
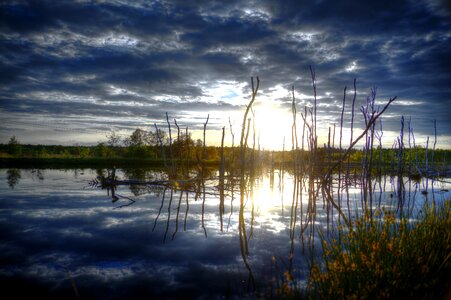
column 228, row 32
column 177, row 56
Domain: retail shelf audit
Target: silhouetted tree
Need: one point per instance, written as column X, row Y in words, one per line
column 14, row 147
column 113, row 139
column 13, row 141
column 137, row 138
column 182, row 146
column 141, row 137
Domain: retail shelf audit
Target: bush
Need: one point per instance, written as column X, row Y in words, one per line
column 138, row 152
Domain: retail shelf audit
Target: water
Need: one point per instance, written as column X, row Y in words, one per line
column 63, row 238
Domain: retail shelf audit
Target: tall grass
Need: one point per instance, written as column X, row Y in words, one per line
column 385, row 257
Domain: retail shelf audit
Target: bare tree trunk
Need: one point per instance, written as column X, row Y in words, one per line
column 178, row 154
column 221, row 180
column 170, row 147
column 188, row 149
column 340, row 148
column 243, row 128
column 435, row 143
column 373, row 117
column 161, row 144
column 204, row 145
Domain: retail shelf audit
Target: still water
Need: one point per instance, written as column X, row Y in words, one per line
column 63, row 237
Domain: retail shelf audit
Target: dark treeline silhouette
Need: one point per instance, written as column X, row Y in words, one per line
column 186, row 149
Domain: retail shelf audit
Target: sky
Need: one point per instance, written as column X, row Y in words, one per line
column 72, row 72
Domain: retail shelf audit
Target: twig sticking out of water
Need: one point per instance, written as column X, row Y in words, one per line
column 327, row 177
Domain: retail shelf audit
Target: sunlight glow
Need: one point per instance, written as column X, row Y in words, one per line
column 272, row 123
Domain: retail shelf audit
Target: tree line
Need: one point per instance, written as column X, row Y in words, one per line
column 142, row 144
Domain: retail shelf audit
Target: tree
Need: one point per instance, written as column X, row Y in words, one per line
column 13, row 141
column 163, row 135
column 101, row 150
column 114, row 139
column 14, row 147
column 183, row 147
column 138, row 138
column 141, row 137
column 82, row 151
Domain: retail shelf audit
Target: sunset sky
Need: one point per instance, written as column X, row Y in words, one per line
column 73, row 71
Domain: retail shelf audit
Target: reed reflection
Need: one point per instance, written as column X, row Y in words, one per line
column 304, row 218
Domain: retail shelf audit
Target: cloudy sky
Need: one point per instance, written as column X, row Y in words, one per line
column 73, row 71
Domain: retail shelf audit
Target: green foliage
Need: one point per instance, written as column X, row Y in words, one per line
column 139, row 152
column 82, row 152
column 386, row 258
column 356, row 156
column 101, row 150
column 138, row 138
column 184, row 148
column 14, row 147
column 143, row 144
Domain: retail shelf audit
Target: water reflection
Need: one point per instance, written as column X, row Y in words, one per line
column 199, row 237
column 37, row 174
column 306, row 211
column 13, row 177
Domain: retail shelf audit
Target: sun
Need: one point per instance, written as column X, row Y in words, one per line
column 272, row 126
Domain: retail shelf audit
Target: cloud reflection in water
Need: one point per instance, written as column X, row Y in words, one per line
column 51, row 235
column 57, row 235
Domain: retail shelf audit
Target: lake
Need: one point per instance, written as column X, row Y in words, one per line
column 62, row 236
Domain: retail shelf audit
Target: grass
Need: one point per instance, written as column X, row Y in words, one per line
column 86, row 162
column 387, row 258
column 75, row 162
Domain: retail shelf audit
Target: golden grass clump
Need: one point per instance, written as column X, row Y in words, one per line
column 384, row 257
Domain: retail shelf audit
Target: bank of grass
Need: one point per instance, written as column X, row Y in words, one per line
column 387, row 258
column 75, row 162
column 90, row 162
